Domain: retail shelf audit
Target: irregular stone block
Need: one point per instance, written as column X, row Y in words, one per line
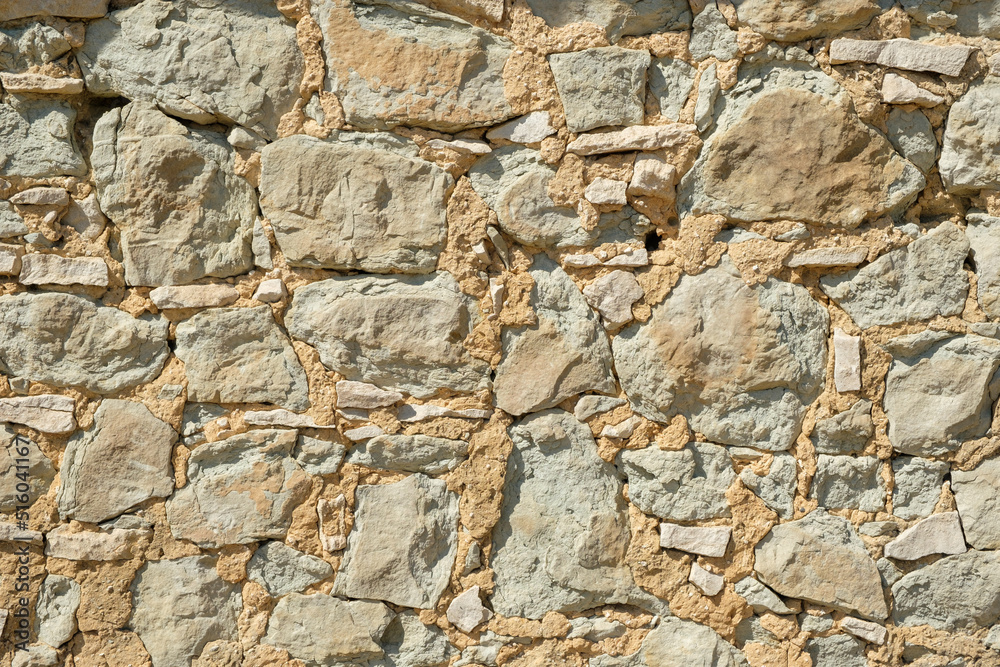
column 711, row 364
column 564, row 354
column 760, row 597
column 977, row 492
column 583, row 526
column 352, row 394
column 123, row 460
column 606, row 192
column 671, row 81
column 601, row 86
column 408, row 642
column 466, row 611
column 11, row 224
column 41, row 196
column 828, row 257
column 765, row 160
column 777, row 487
column 400, row 333
column 983, row 232
column 959, row 592
column 588, row 406
column 77, row 9
column 870, row 632
column 846, row 482
column 653, row 176
column 270, row 291
column 171, row 190
column 937, row 534
column 342, row 205
column 916, row 486
column 901, row 54
column 403, row 544
column 281, row 569
column 710, row 541
column 38, row 139
column 938, row 397
column 796, row 20
column 234, row 61
column 48, row 413
column 103, row 545
column 280, row 417
column 68, row 340
column 85, row 216
column 410, row 453
column 179, row 606
column 711, row 36
column 847, row 432
column 617, row 17
column 910, row 284
column 319, row 457
column 39, row 269
column 678, row 643
column 444, row 73
column 707, row 582
column 40, row 84
column 38, row 469
column 912, row 135
column 528, row 129
column 836, row 651
column 193, row 296
column 968, row 161
column 847, row 361
column 685, row 485
column 819, row 558
column 55, row 612
column 636, row 138
column 966, row 17
column 220, row 505
column 900, row 90
column 240, row 355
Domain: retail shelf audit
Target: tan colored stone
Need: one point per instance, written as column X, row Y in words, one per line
column 635, row 138
column 193, row 296
column 48, row 413
column 39, row 269
column 902, row 54
column 795, row 20
column 79, row 9
column 40, row 84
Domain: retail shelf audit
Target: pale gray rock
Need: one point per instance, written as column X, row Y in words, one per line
column 281, row 569
column 707, row 582
column 595, row 629
column 912, row 135
column 678, row 643
column 338, row 205
column 319, row 457
column 711, row 541
column 685, row 485
column 39, row 469
column 902, row 54
column 671, row 82
column 11, row 223
column 916, row 486
column 634, row 138
column 617, row 17
column 352, row 394
column 847, row 361
column 83, row 9
column 367, row 329
column 968, row 162
column 124, row 459
column 466, row 612
column 197, row 415
column 937, row 534
column 846, row 482
column 36, row 655
column 820, row 559
column 49, row 269
column 171, row 190
column 708, row 92
column 606, row 192
column 879, row 528
column 888, row 571
column 179, row 606
column 47, row 413
column 711, row 36
column 55, row 612
column 272, row 290
column 977, row 494
column 565, row 353
column 588, row 406
column 260, row 246
column 41, row 196
column 558, row 546
column 959, row 592
column 937, row 398
column 241, row 355
column 707, row 362
column 233, row 61
column 10, row 259
column 913, row 283
column 38, row 139
column 827, row 257
column 900, row 90
column 836, row 651
column 193, row 296
column 760, row 597
column 966, row 17
column 983, row 232
column 777, row 487
column 601, row 86
column 653, row 176
column 410, row 453
column 528, row 129
column 993, row 638
column 453, row 73
column 108, row 544
column 240, row 490
column 764, row 160
column 403, row 544
column 67, row 340
column 797, row 20
column 409, row 643
column 815, row 624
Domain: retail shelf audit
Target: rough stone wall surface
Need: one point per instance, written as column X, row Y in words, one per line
column 527, row 333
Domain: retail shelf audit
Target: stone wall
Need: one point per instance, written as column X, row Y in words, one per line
column 606, row 333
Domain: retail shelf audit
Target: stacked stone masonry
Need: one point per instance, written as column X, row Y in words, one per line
column 525, row 333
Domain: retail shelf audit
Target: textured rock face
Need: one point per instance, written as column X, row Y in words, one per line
column 37, row 469
column 679, row 643
column 968, row 162
column 233, row 61
column 444, row 74
column 281, row 569
column 617, row 17
column 976, row 493
column 38, row 140
column 968, row 17
column 403, row 544
column 955, row 593
column 368, row 329
column 746, row 170
column 695, row 358
column 68, row 341
column 559, row 547
column 343, row 205
column 983, row 232
column 58, row 601
column 685, row 485
column 410, row 453
column 847, row 482
column 599, row 87
column 801, row 19
column 123, row 460
column 183, row 212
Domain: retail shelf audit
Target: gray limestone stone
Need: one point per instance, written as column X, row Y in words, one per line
column 796, row 20
column 968, row 160
column 836, row 651
column 37, row 139
column 179, row 606
column 760, row 597
column 983, row 232
column 240, row 490
column 777, row 487
column 617, row 17
column 708, row 93
column 173, row 194
column 16, row 9
column 810, row 623
column 601, row 86
column 55, row 612
column 124, row 459
column 565, row 353
column 197, row 415
column 765, row 160
column 341, row 205
column 819, row 558
column 241, row 355
column 69, row 340
column 705, row 361
column 913, row 283
column 937, row 534
column 711, row 36
column 410, row 453
column 846, row 482
column 281, row 569
column 39, row 469
column 613, row 295
column 678, row 643
column 403, row 544
column 409, row 643
column 941, row 396
column 847, row 432
column 319, row 457
column 977, row 494
column 966, row 17
column 558, row 546
column 685, row 485
column 959, row 592
column 403, row 333
column 11, row 224
column 917, row 486
column 671, row 82
column 589, row 406
column 912, row 135
column 36, row 655
column 443, row 74
column 234, row 61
